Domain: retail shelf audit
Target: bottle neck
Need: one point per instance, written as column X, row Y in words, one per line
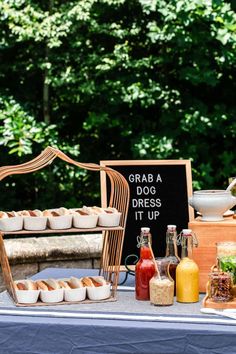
column 186, row 248
column 184, row 252
column 145, row 252
column 171, row 247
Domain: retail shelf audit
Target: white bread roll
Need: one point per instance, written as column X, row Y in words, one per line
column 55, row 213
column 63, row 211
column 23, row 213
column 63, row 284
column 38, row 212
column 75, row 283
column 81, row 211
column 11, row 214
column 3, row 215
column 110, row 210
column 53, row 283
column 47, row 213
column 100, row 280
column 98, row 210
column 89, row 210
column 32, row 213
column 87, row 282
column 41, row 285
column 20, row 285
column 30, row 285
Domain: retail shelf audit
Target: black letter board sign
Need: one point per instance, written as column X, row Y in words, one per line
column 159, row 191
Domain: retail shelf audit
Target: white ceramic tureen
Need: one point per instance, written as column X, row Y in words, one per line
column 212, row 204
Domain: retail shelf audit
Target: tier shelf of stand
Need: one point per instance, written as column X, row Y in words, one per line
column 113, row 237
column 63, row 231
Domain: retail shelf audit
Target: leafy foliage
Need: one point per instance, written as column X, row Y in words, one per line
column 123, row 79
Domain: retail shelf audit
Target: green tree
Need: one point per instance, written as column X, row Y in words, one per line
column 118, row 79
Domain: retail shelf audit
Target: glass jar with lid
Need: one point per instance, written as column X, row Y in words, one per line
column 219, row 286
column 226, row 248
column 226, row 258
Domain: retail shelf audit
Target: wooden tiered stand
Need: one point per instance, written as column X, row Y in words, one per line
column 112, row 237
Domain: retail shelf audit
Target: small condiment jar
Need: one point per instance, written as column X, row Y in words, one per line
column 226, row 248
column 161, row 285
column 219, row 286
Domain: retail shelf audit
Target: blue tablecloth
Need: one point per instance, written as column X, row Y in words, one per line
column 125, row 326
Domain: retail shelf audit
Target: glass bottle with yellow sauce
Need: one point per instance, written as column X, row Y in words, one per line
column 187, row 271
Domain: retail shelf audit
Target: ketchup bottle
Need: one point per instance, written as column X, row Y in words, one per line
column 144, row 269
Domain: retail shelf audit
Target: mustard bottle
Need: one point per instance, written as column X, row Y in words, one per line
column 187, row 271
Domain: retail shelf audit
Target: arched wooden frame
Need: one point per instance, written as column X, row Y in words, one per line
column 112, row 239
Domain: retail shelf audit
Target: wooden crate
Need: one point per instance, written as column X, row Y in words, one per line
column 206, row 302
column 208, row 234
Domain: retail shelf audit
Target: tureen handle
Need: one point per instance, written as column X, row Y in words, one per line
column 230, row 186
column 190, row 201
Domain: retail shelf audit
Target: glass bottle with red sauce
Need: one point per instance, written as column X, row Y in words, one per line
column 144, row 269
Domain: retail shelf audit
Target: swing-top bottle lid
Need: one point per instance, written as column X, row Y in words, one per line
column 145, row 229
column 186, row 232
column 171, row 226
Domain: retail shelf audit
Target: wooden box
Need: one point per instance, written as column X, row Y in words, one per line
column 208, row 234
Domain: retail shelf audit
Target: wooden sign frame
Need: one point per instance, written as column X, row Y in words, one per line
column 139, row 163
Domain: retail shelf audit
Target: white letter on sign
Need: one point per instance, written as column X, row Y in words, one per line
column 158, row 178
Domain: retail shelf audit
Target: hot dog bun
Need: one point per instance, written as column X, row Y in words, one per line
column 54, row 213
column 15, row 285
column 63, row 211
column 11, row 214
column 98, row 210
column 87, row 282
column 100, row 280
column 64, row 284
column 88, row 210
column 30, row 285
column 47, row 213
column 53, row 284
column 41, row 285
column 111, row 210
column 35, row 212
column 75, row 283
column 25, row 285
column 3, row 215
column 23, row 213
column 94, row 281
column 32, row 213
column 20, row 285
column 38, row 212
column 80, row 212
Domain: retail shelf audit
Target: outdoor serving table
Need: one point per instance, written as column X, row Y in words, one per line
column 125, row 326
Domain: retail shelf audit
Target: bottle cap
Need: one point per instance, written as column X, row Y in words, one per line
column 145, row 229
column 171, row 226
column 186, row 231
